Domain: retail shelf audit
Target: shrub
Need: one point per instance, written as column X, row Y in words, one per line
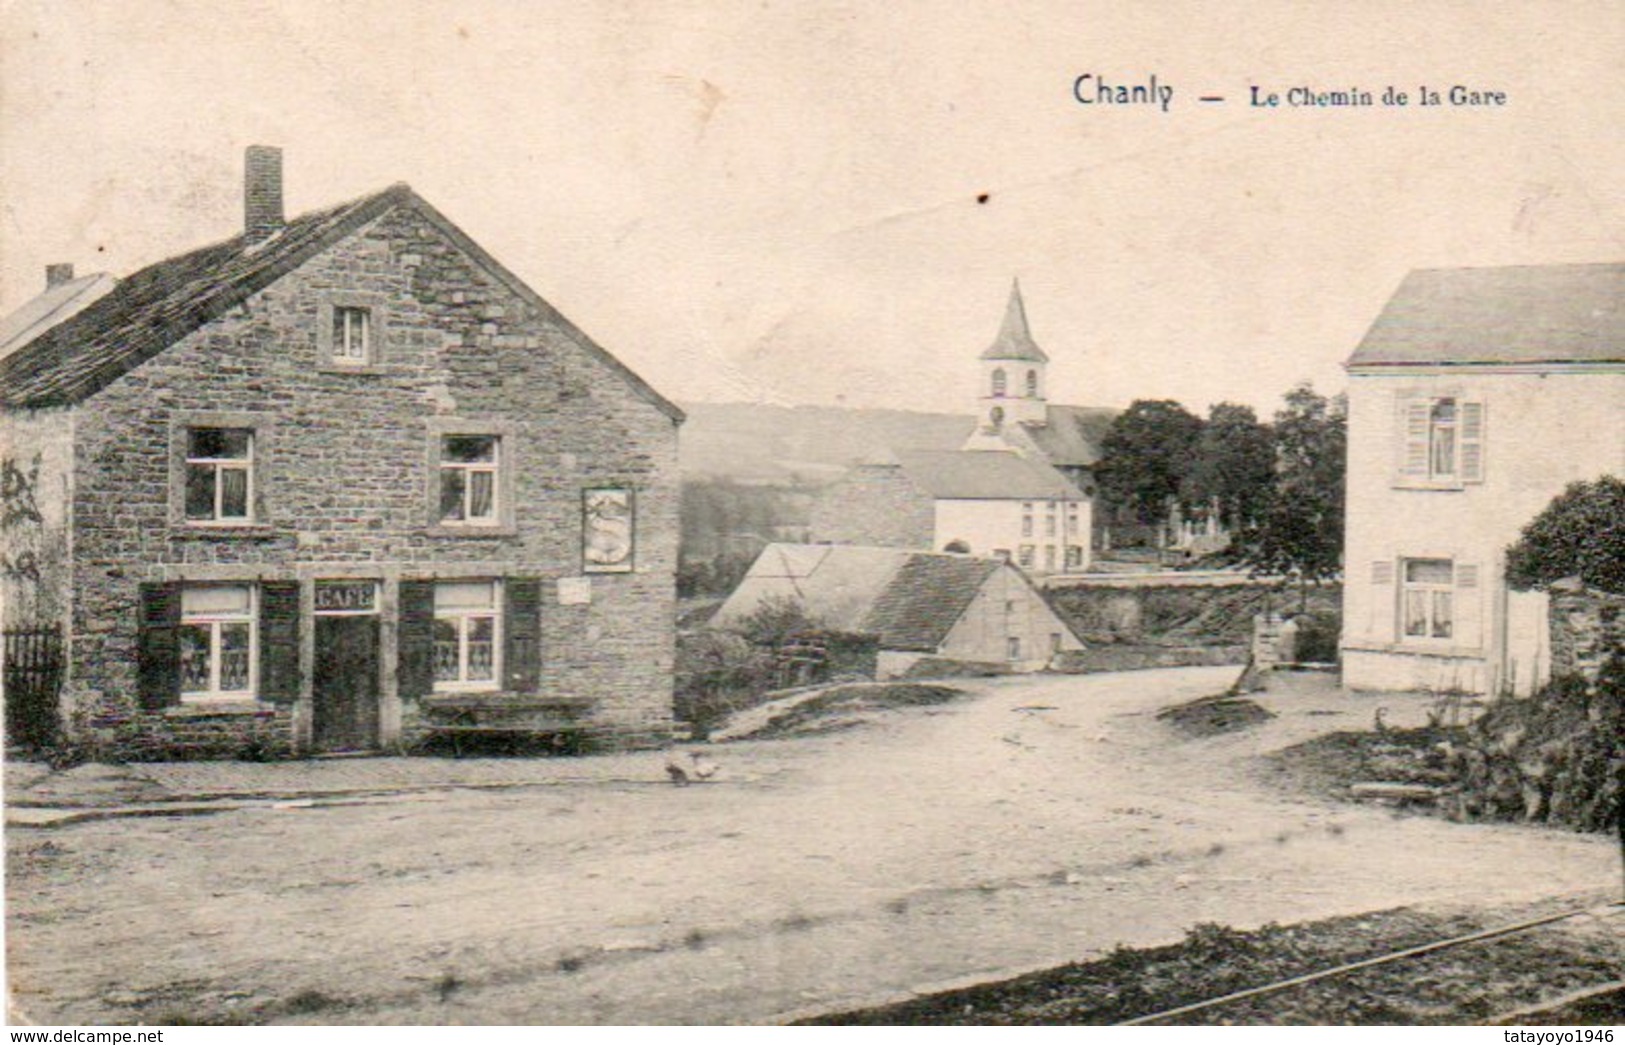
column 1581, row 533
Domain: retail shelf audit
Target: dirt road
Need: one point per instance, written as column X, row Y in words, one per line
column 1043, row 820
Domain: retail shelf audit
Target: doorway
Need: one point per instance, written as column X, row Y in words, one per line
column 345, row 686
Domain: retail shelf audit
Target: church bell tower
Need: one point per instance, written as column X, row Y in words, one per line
column 1012, row 379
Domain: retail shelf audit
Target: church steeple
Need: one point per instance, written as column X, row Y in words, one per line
column 1012, row 389
column 1015, row 342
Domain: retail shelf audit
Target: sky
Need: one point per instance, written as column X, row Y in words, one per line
column 826, row 202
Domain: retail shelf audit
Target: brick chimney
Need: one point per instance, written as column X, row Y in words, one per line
column 58, row 274
column 262, row 191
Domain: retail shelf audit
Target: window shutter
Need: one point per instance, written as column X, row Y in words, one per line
column 1412, row 438
column 1472, row 442
column 522, row 619
column 159, row 652
column 414, row 676
column 1469, row 606
column 279, row 641
column 1382, row 571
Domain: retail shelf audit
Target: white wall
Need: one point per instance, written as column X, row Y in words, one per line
column 1008, row 607
column 988, row 526
column 1542, row 432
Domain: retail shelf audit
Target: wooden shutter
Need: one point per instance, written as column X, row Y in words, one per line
column 522, row 621
column 415, row 639
column 159, row 654
column 1472, row 442
column 1412, row 438
column 1468, row 601
column 279, row 641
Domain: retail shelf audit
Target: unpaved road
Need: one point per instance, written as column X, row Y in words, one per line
column 1042, row 820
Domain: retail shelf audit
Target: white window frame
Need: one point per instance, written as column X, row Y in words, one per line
column 469, row 468
column 1025, row 555
column 1420, row 439
column 217, row 465
column 461, row 618
column 352, row 335
column 1431, row 592
column 1026, row 519
column 213, row 622
column 1000, row 383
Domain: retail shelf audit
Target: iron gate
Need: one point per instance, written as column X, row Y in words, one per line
column 33, row 680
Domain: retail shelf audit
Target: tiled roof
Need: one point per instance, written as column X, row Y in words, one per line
column 1522, row 314
column 55, row 305
column 925, row 599
column 1015, row 341
column 909, row 599
column 151, row 309
column 978, row 475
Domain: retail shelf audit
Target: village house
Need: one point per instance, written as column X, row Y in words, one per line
column 1474, row 399
column 918, row 605
column 330, row 485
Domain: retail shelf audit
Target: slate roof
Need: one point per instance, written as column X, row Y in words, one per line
column 1015, row 341
column 1519, row 314
column 55, row 305
column 1072, row 435
column 151, row 309
column 925, row 599
column 983, row 475
column 910, row 600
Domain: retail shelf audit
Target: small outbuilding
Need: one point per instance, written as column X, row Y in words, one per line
column 963, row 608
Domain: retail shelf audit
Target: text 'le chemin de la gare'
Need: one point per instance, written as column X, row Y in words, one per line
column 1094, row 89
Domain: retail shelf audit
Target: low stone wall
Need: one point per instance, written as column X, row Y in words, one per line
column 1585, row 625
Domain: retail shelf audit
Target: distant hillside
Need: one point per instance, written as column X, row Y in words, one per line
column 804, row 445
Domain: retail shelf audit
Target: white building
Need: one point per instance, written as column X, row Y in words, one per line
column 1474, row 399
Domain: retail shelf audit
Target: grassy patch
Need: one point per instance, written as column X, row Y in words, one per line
column 836, row 708
column 1211, row 716
column 1462, row 985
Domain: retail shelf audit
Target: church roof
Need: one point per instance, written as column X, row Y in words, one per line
column 1071, row 435
column 1015, row 341
column 986, row 475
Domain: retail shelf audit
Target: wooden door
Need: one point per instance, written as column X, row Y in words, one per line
column 346, row 683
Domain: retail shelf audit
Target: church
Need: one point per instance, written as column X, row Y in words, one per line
column 1021, row 486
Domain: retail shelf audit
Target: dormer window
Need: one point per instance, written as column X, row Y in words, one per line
column 352, row 336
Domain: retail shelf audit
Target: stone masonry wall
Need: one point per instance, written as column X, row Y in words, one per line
column 873, row 505
column 342, row 474
column 1586, row 626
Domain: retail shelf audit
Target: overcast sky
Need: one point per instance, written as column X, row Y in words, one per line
column 779, row 201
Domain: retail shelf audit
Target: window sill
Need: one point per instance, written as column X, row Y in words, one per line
column 1415, row 650
column 367, row 370
column 235, row 531
column 471, row 531
column 1430, row 484
column 213, row 708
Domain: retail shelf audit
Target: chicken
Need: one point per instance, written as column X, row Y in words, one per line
column 703, row 768
column 678, row 774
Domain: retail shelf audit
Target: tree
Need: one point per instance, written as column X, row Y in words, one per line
column 1233, row 468
column 1580, row 534
column 1299, row 534
column 1146, row 455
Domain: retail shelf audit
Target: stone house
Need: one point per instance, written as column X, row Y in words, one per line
column 1474, row 399
column 918, row 605
column 326, row 483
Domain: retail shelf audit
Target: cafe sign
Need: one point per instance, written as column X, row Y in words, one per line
column 346, row 597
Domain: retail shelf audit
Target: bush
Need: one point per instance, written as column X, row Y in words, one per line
column 1581, row 533
column 718, row 673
